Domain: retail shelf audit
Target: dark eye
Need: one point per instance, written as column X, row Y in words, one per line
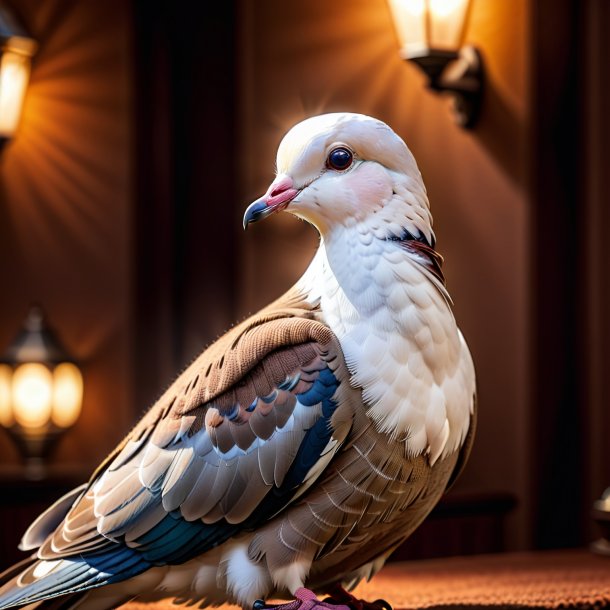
column 340, row 158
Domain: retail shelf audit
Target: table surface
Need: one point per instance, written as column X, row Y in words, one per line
column 549, row 579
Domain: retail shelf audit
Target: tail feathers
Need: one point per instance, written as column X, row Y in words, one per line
column 16, row 569
column 42, row 580
column 65, row 602
column 48, row 579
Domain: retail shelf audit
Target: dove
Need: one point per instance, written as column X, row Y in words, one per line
column 301, row 448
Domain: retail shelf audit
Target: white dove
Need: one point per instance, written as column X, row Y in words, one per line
column 299, row 450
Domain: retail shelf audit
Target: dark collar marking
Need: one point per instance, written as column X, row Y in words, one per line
column 418, row 244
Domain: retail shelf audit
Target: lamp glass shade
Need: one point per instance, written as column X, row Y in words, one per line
column 32, row 393
column 14, row 76
column 429, row 24
column 67, row 394
column 6, row 410
column 409, row 18
column 447, row 19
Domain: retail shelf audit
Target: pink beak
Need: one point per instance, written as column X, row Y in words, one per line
column 278, row 196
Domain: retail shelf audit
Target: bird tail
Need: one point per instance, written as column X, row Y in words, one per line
column 20, row 587
column 60, row 584
column 10, row 575
column 87, row 599
column 66, row 602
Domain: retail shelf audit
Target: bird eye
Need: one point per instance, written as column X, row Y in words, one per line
column 340, row 158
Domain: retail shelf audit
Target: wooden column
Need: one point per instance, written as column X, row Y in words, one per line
column 185, row 223
column 558, row 244
column 570, row 448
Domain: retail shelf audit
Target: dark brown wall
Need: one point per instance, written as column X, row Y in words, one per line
column 65, row 207
column 596, row 187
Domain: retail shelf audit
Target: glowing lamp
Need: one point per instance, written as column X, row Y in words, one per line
column 16, row 50
column 430, row 33
column 41, row 390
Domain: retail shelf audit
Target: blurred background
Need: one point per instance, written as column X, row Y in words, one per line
column 147, row 128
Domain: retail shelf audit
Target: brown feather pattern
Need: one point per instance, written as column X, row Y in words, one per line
column 370, row 498
column 216, row 442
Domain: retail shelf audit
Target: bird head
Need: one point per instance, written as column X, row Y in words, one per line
column 345, row 169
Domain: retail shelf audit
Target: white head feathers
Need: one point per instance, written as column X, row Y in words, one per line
column 381, row 186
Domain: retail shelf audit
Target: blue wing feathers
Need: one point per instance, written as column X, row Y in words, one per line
column 163, row 528
column 157, row 545
column 174, row 539
column 310, row 450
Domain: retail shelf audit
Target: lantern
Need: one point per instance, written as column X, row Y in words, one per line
column 430, row 33
column 41, row 390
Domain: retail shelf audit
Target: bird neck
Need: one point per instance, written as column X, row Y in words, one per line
column 398, row 334
column 358, row 278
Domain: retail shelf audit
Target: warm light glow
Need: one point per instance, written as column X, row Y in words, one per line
column 447, row 23
column 443, row 8
column 67, row 395
column 415, row 7
column 410, row 23
column 6, row 411
column 14, row 76
column 429, row 24
column 32, row 395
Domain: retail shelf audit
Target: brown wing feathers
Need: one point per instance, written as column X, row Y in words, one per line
column 215, row 443
column 368, row 500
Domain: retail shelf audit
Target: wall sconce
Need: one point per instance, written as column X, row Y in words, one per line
column 601, row 515
column 41, row 391
column 16, row 50
column 430, row 32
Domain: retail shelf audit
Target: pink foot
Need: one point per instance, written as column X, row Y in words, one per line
column 338, row 595
column 304, row 600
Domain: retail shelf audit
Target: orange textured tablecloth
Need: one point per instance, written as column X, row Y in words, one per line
column 557, row 579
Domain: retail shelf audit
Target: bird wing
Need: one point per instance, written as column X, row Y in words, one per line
column 239, row 435
column 231, row 442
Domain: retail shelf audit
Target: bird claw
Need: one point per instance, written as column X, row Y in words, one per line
column 340, row 596
column 304, row 600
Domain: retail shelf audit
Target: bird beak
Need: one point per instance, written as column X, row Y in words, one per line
column 278, row 196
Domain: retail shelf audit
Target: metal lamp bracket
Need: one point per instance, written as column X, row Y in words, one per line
column 460, row 73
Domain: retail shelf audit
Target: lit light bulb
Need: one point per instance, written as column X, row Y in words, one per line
column 14, row 76
column 67, row 394
column 32, row 395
